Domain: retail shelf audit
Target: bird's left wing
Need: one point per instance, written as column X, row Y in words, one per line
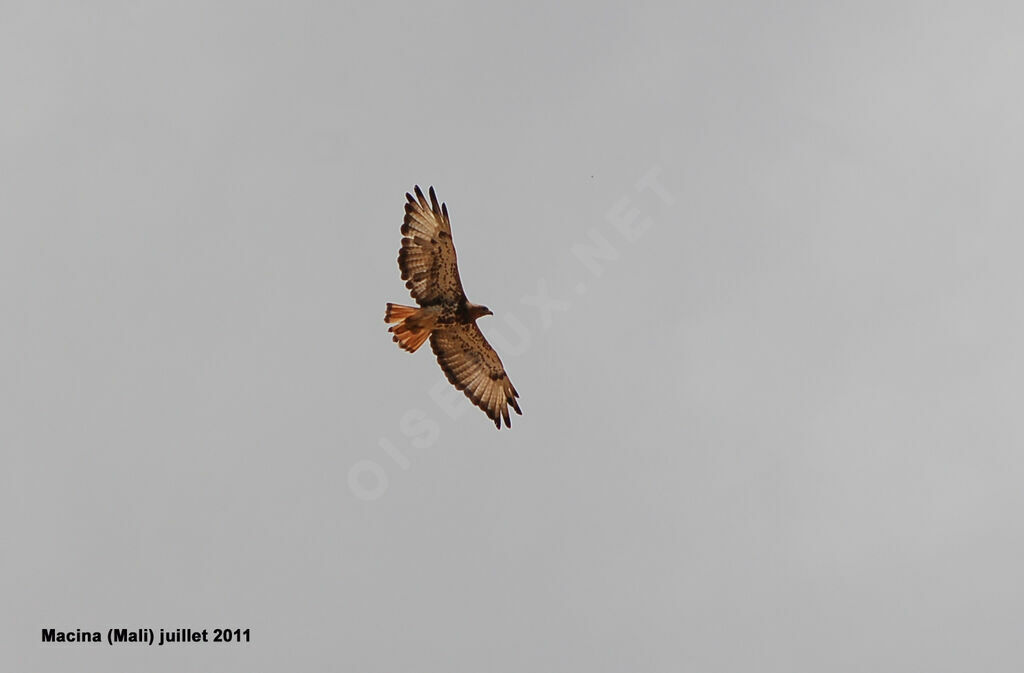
column 473, row 367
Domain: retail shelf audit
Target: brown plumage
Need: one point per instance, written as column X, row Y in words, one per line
column 430, row 271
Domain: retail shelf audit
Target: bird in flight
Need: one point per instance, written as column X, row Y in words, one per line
column 445, row 316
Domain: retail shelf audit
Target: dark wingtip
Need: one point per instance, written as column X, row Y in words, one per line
column 433, row 201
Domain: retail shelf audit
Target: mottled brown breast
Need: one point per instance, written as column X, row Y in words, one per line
column 453, row 314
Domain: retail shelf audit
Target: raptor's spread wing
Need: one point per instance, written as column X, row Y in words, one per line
column 473, row 367
column 427, row 257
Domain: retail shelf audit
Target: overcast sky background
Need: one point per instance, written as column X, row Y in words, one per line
column 780, row 430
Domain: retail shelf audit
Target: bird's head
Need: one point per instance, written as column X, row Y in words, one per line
column 477, row 311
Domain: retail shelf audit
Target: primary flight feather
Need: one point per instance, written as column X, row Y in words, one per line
column 431, row 272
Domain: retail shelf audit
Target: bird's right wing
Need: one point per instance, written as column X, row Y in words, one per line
column 427, row 257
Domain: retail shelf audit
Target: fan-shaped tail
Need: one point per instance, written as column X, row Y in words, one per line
column 398, row 313
column 413, row 327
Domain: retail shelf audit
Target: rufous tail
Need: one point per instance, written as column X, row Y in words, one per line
column 413, row 327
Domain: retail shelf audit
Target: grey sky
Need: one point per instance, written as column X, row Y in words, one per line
column 779, row 431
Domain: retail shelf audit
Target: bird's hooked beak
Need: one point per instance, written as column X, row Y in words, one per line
column 478, row 311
